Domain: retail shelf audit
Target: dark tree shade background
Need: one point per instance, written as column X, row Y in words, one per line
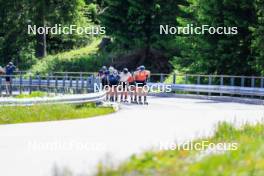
column 133, row 27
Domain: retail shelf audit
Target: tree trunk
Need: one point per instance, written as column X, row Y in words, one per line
column 147, row 34
column 41, row 44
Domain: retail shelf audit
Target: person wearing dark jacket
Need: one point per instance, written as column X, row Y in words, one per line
column 9, row 71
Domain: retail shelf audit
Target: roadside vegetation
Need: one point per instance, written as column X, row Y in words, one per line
column 248, row 159
column 41, row 113
column 34, row 94
column 81, row 59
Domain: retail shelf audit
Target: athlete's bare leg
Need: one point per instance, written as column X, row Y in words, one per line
column 145, row 92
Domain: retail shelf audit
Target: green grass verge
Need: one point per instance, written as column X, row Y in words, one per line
column 82, row 59
column 41, row 113
column 247, row 160
column 33, row 95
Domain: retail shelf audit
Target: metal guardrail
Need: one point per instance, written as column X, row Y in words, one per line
column 57, row 84
column 69, row 99
column 223, row 80
column 228, row 90
column 83, row 82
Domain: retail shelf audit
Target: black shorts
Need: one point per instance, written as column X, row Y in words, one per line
column 8, row 79
column 104, row 82
column 140, row 83
column 114, row 84
column 124, row 85
column 132, row 84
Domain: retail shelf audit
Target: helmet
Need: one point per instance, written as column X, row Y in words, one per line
column 111, row 69
column 142, row 67
column 104, row 68
column 125, row 70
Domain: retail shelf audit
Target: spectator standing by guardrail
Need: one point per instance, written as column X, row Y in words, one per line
column 9, row 71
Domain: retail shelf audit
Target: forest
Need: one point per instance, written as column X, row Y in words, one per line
column 132, row 35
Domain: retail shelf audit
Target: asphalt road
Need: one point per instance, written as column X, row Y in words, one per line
column 40, row 149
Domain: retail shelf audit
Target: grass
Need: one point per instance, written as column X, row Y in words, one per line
column 33, row 95
column 247, row 160
column 41, row 113
column 82, row 59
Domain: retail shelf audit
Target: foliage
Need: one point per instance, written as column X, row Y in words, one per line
column 258, row 43
column 247, row 160
column 33, row 95
column 84, row 59
column 41, row 113
column 134, row 24
column 220, row 54
column 15, row 16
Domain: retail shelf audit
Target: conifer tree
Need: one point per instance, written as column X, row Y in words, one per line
column 221, row 54
column 258, row 44
column 135, row 24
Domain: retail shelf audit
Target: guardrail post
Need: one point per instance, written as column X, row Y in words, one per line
column 82, row 83
column 63, row 84
column 39, row 82
column 221, row 80
column 48, row 82
column 209, row 83
column 87, row 83
column 186, row 79
column 30, row 84
column 232, row 81
column 92, row 82
column 11, row 85
column 210, row 80
column 198, row 83
column 0, row 85
column 198, row 80
column 242, row 81
column 56, row 84
column 77, row 84
column 70, row 82
column 221, row 83
column 253, row 82
column 174, row 78
column 20, row 83
column 161, row 78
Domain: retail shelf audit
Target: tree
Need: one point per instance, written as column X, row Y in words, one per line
column 134, row 24
column 13, row 19
column 258, row 43
column 52, row 12
column 221, row 54
column 17, row 45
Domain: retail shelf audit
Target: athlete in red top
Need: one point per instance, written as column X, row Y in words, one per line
column 141, row 76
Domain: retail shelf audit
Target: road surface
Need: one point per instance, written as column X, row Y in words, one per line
column 40, row 149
